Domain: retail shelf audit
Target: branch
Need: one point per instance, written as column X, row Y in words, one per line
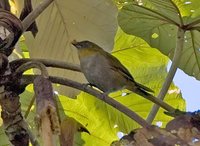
column 46, row 115
column 158, row 102
column 55, row 96
column 33, row 64
column 51, row 63
column 32, row 137
column 28, row 79
column 171, row 74
column 29, row 107
column 48, row 63
column 59, row 64
column 35, row 13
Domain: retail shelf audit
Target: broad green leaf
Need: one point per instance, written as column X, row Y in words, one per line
column 156, row 21
column 188, row 8
column 66, row 20
column 147, row 65
column 149, row 24
column 87, row 110
column 190, row 59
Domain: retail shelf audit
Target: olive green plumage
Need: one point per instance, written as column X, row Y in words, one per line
column 105, row 71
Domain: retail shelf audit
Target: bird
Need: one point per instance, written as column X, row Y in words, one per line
column 104, row 70
column 107, row 73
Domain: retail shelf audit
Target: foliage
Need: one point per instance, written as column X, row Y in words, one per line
column 64, row 21
column 151, row 22
column 103, row 121
column 156, row 21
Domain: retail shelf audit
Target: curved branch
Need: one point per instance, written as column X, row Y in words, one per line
column 171, row 74
column 64, row 65
column 48, row 63
column 33, row 64
column 28, row 79
column 58, row 64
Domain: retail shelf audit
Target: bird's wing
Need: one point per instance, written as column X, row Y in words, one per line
column 117, row 66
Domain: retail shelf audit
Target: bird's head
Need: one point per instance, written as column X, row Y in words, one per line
column 84, row 44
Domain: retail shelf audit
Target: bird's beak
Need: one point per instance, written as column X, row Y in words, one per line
column 76, row 44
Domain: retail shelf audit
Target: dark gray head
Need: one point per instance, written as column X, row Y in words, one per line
column 84, row 44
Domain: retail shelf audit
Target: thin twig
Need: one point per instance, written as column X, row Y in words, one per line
column 48, row 63
column 55, row 96
column 32, row 137
column 59, row 64
column 27, row 79
column 29, row 107
column 158, row 102
column 171, row 74
column 35, row 13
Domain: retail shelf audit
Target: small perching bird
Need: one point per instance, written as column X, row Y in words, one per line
column 108, row 74
column 105, row 71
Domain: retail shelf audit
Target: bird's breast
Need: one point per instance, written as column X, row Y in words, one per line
column 99, row 72
column 93, row 64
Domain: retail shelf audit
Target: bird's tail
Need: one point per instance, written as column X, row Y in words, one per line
column 144, row 88
column 143, row 91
